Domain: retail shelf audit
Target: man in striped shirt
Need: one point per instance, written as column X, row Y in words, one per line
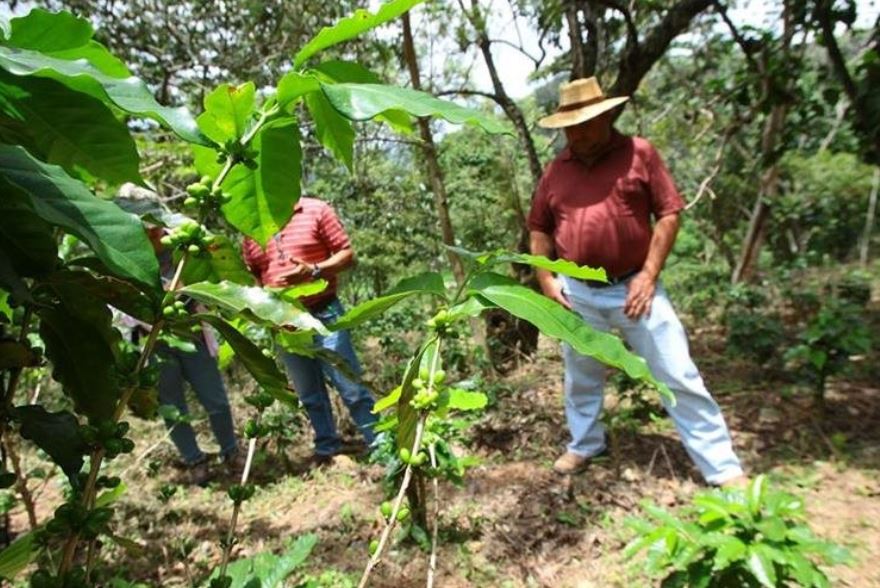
column 314, row 245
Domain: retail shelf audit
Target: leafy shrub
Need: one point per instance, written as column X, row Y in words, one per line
column 752, row 331
column 735, row 538
column 827, row 343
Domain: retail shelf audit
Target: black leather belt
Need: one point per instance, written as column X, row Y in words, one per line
column 612, row 280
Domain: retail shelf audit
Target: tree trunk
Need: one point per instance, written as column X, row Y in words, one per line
column 429, row 151
column 869, row 220
column 769, row 185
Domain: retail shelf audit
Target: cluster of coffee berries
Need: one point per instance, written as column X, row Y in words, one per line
column 407, row 457
column 109, row 435
column 73, row 517
column 203, row 195
column 426, row 396
column 190, row 236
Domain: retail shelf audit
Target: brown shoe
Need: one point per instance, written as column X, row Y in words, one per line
column 199, row 473
column 570, row 463
column 740, row 482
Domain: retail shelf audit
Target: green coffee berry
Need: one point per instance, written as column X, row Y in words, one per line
column 193, row 248
column 402, row 514
column 374, row 546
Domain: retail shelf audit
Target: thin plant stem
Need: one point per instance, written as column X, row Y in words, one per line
column 432, row 563
column 236, row 509
column 404, row 485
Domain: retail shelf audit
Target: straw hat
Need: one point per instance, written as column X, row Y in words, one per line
column 579, row 101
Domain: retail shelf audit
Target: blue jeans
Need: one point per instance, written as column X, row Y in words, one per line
column 200, row 370
column 308, row 375
column 661, row 340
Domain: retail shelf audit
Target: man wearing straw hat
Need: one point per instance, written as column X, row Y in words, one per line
column 594, row 205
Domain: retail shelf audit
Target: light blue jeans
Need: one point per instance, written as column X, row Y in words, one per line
column 200, row 370
column 308, row 375
column 660, row 339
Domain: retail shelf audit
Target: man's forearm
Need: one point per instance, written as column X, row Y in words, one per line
column 338, row 262
column 542, row 244
column 662, row 240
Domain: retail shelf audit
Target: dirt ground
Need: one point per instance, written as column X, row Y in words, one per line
column 514, row 522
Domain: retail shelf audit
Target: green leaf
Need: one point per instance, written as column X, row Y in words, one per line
column 27, row 242
column 731, row 550
column 556, row 321
column 465, row 400
column 266, row 569
column 46, row 31
column 118, row 238
column 352, row 26
column 262, row 368
column 263, row 199
column 69, row 129
column 113, row 291
column 82, row 361
column 366, row 101
column 259, row 302
column 407, row 416
column 228, row 111
column 16, row 557
column 56, row 433
column 388, row 400
column 761, row 567
column 129, row 94
column 425, row 283
column 755, row 494
column 298, row 291
column 557, row 266
column 221, row 262
column 333, row 130
column 294, row 85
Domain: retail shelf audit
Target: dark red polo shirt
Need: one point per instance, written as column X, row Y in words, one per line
column 601, row 215
column 313, row 234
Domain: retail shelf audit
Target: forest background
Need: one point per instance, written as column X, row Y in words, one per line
column 768, row 115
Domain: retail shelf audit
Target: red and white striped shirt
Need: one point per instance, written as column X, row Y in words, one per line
column 313, row 234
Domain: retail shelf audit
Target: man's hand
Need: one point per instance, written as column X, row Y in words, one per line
column 299, row 272
column 553, row 290
column 639, row 295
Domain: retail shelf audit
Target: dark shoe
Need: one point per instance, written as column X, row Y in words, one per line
column 318, row 460
column 234, row 462
column 199, row 473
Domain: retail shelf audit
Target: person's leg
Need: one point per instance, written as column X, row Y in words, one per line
column 171, row 392
column 661, row 339
column 200, row 370
column 308, row 380
column 356, row 396
column 584, row 380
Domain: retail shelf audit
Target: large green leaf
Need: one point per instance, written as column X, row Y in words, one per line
column 17, row 556
column 262, row 368
column 118, row 238
column 27, row 240
column 221, row 261
column 560, row 323
column 263, row 198
column 407, row 416
column 352, row 26
column 426, row 283
column 294, row 85
column 47, row 32
column 760, row 565
column 558, row 266
column 82, row 361
column 333, row 130
column 129, row 94
column 68, row 128
column 261, row 303
column 56, row 433
column 366, row 101
column 108, row 289
column 228, row 111
column 267, row 570
column 459, row 399
column 63, row 35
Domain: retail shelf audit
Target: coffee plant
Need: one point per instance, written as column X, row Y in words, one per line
column 69, row 254
column 726, row 538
